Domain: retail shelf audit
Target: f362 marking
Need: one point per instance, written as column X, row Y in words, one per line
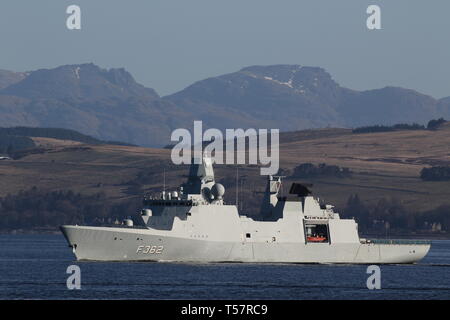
column 150, row 249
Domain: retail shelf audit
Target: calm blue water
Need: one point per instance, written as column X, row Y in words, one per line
column 34, row 267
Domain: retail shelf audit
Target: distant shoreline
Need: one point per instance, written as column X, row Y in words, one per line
column 442, row 236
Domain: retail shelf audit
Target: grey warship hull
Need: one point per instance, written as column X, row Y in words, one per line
column 134, row 244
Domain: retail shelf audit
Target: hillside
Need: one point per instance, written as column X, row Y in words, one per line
column 111, row 105
column 393, row 158
column 385, row 167
column 8, row 78
column 56, row 133
column 17, row 141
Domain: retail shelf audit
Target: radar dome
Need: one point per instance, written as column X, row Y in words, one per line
column 128, row 222
column 218, row 190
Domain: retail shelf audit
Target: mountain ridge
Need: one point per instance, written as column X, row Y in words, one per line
column 110, row 105
column 8, row 78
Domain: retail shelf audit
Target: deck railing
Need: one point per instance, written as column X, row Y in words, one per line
column 398, row 241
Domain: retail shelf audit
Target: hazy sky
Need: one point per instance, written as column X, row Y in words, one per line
column 168, row 44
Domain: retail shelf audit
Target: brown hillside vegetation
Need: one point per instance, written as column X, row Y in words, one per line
column 384, row 165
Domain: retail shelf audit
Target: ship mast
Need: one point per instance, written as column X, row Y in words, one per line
column 164, row 183
column 237, row 187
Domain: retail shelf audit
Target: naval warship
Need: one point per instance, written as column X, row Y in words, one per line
column 195, row 224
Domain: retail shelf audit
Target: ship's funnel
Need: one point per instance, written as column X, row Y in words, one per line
column 300, row 189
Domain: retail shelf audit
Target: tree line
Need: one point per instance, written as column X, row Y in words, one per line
column 56, row 133
column 432, row 125
column 10, row 144
column 437, row 173
column 18, row 138
column 392, row 215
column 309, row 170
column 35, row 208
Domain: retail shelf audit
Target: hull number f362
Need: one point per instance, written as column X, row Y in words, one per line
column 150, row 249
